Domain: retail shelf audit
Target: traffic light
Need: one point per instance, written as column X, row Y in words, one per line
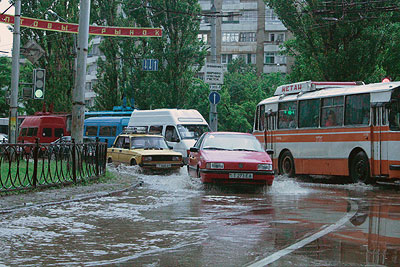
column 39, row 76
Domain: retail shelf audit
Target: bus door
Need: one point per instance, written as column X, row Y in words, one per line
column 379, row 146
column 270, row 127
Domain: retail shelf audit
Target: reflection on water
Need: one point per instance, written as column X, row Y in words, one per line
column 173, row 220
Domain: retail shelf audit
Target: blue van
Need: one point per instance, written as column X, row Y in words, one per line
column 105, row 128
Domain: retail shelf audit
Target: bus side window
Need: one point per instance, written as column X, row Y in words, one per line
column 332, row 111
column 287, row 116
column 357, row 110
column 309, row 113
column 91, row 131
column 262, row 118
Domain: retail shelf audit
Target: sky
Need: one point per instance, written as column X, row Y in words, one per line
column 5, row 35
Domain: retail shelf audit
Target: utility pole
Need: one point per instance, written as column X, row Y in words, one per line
column 12, row 123
column 260, row 37
column 213, row 107
column 78, row 96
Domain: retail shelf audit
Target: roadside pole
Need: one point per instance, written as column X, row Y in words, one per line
column 12, row 123
column 213, row 107
column 78, row 96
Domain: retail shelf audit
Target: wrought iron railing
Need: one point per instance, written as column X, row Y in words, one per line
column 25, row 166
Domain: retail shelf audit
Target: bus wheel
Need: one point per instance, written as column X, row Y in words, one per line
column 286, row 165
column 359, row 168
column 109, row 160
column 133, row 162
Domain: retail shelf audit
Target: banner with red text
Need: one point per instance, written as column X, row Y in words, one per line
column 73, row 28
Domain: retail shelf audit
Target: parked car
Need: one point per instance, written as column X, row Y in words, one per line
column 230, row 158
column 147, row 151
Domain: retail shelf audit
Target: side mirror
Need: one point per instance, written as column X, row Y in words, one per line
column 170, row 147
column 270, row 152
column 194, row 149
column 176, row 140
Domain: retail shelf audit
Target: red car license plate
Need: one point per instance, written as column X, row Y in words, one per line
column 241, row 175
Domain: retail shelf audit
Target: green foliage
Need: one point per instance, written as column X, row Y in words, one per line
column 179, row 52
column 241, row 92
column 5, row 83
column 59, row 52
column 108, row 87
column 339, row 41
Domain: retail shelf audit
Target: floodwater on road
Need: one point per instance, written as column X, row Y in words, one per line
column 172, row 220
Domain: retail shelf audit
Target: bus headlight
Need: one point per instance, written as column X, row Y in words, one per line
column 264, row 167
column 147, row 158
column 215, row 165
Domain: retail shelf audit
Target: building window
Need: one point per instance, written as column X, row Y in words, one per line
column 226, row 58
column 230, row 37
column 251, row 59
column 269, row 57
column 206, row 19
column 247, row 37
column 202, row 37
column 270, row 15
column 88, row 86
column 249, row 15
column 230, row 18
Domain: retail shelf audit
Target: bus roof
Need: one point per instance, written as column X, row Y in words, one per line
column 374, row 88
column 107, row 119
column 108, row 113
column 307, row 86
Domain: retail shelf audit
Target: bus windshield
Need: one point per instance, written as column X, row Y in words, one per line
column 192, row 131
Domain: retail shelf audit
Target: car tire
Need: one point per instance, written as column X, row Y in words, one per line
column 198, row 172
column 286, row 164
column 359, row 168
column 133, row 162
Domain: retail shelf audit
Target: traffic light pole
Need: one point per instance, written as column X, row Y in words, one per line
column 78, row 96
column 12, row 123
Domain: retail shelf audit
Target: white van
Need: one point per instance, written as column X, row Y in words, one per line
column 180, row 127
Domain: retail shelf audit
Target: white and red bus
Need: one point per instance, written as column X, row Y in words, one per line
column 333, row 128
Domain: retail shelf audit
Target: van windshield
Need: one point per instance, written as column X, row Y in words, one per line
column 192, row 131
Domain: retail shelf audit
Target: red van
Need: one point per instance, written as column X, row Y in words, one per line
column 48, row 127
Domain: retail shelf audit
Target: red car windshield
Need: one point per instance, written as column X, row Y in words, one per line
column 236, row 142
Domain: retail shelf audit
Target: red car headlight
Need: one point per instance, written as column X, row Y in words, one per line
column 264, row 167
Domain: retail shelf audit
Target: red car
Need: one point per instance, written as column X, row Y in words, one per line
column 230, row 158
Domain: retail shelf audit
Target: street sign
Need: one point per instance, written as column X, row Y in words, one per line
column 32, row 51
column 150, row 65
column 214, row 73
column 215, row 87
column 214, row 98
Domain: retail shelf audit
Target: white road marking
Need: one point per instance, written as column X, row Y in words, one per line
column 279, row 254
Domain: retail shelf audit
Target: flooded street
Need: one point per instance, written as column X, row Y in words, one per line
column 172, row 220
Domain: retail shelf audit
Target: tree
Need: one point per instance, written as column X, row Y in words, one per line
column 5, row 82
column 108, row 86
column 339, row 41
column 179, row 51
column 59, row 51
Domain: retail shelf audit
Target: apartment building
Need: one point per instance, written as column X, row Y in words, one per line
column 247, row 29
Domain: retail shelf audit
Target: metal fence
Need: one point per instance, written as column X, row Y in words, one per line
column 26, row 166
